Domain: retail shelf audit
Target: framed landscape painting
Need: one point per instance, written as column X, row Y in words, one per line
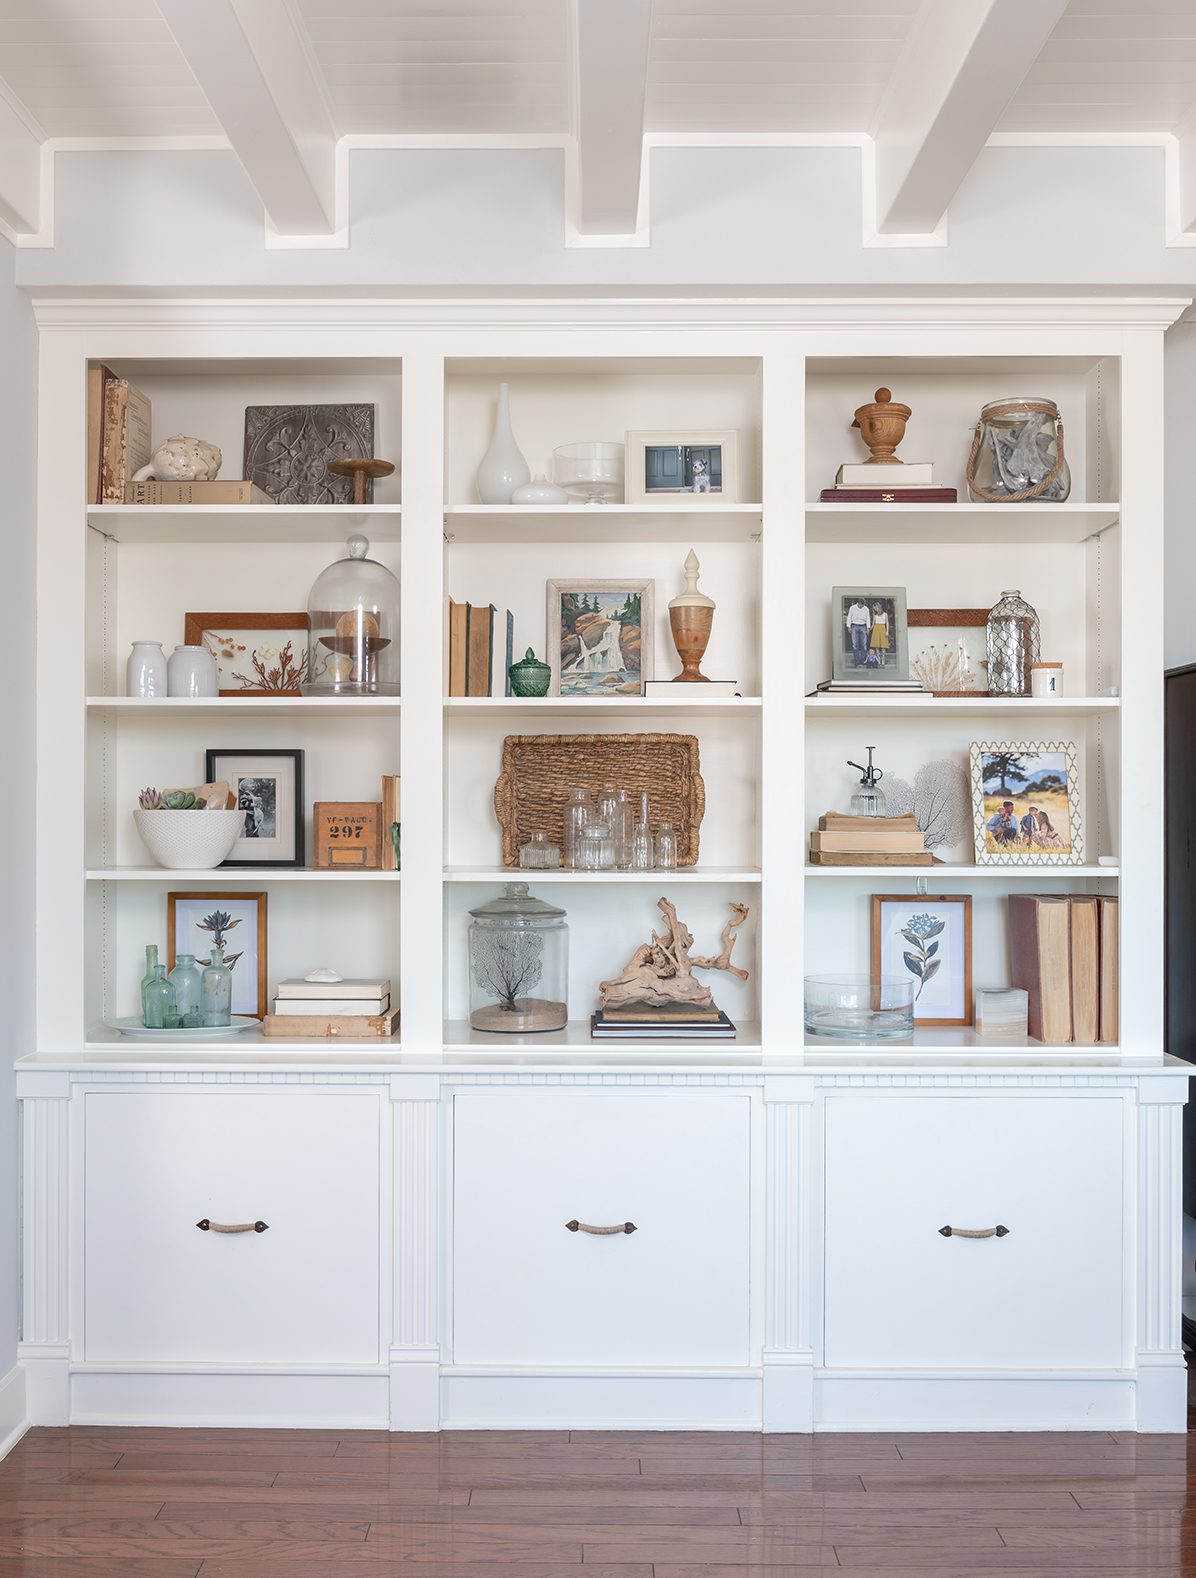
column 600, row 637
column 1026, row 803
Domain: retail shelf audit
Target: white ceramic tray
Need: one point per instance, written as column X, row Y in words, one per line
column 133, row 1027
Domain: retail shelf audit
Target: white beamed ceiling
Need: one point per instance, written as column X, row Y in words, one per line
column 110, row 68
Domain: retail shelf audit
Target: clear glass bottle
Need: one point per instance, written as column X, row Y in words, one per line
column 518, row 964
column 1013, row 645
column 641, row 847
column 187, row 980
column 151, row 960
column 216, row 989
column 868, row 797
column 1018, row 454
column 666, row 847
column 578, row 807
column 595, row 851
column 538, row 854
column 159, row 1012
column 353, row 627
column 622, row 826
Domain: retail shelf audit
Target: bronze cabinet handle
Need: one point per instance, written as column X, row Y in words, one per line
column 585, row 1227
column 206, row 1225
column 999, row 1231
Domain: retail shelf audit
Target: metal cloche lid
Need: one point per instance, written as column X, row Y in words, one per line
column 516, row 903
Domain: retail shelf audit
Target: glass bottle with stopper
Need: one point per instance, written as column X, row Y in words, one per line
column 868, row 797
column 353, row 627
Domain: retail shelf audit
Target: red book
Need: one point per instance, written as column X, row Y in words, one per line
column 888, row 496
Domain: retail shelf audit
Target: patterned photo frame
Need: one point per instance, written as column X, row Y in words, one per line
column 1026, row 803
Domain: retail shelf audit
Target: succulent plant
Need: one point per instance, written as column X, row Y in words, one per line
column 179, row 800
column 149, row 799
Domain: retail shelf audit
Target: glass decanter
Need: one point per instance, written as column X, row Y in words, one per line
column 216, row 990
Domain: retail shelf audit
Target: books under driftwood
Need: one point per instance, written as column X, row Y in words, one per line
column 223, row 491
column 126, row 443
column 604, row 1028
column 330, row 1026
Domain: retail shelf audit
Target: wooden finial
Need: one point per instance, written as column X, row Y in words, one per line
column 882, row 426
column 359, row 470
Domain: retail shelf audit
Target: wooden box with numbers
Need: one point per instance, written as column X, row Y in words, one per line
column 347, row 833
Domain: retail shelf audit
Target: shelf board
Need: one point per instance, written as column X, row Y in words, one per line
column 680, row 521
column 223, row 874
column 458, row 1037
column 958, row 523
column 953, row 870
column 147, row 707
column 174, row 523
column 101, row 1039
column 950, row 1040
column 601, row 706
column 976, row 706
column 688, row 874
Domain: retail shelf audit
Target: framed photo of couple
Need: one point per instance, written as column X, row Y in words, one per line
column 1026, row 803
column 869, row 633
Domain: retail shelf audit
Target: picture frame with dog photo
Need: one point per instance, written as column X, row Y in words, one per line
column 702, row 463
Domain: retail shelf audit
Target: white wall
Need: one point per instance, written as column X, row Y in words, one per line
column 18, row 455
column 1179, row 616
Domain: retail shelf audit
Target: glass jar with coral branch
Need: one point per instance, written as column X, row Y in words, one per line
column 518, row 964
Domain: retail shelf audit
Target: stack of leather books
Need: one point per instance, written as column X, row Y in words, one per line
column 646, row 1022
column 843, row 840
column 887, row 482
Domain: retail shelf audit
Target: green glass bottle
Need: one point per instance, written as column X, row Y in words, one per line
column 216, row 991
column 160, row 1011
column 187, row 980
column 151, row 960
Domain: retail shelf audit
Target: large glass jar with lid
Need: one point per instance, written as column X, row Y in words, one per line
column 518, row 964
column 1017, row 454
column 353, row 627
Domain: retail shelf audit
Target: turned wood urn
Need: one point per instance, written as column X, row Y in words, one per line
column 691, row 615
column 882, row 427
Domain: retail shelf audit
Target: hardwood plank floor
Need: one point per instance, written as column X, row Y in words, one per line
column 99, row 1502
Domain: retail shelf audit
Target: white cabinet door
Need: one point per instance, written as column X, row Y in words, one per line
column 527, row 1290
column 158, row 1288
column 1048, row 1292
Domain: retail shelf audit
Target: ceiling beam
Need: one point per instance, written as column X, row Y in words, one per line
column 253, row 60
column 20, row 168
column 610, row 78
column 1184, row 218
column 962, row 62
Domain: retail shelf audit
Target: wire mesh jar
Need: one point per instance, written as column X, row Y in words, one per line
column 1017, row 454
column 353, row 627
column 518, row 964
column 1013, row 645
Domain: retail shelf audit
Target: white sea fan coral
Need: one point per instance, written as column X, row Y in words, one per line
column 939, row 800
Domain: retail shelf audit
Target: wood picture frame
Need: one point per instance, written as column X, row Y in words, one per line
column 250, row 987
column 567, row 602
column 275, row 799
column 951, row 657
column 905, row 924
column 664, row 463
column 1013, row 779
column 274, row 670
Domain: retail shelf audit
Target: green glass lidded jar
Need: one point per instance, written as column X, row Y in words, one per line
column 530, row 677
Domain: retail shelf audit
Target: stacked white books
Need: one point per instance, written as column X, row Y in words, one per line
column 333, row 997
column 878, row 474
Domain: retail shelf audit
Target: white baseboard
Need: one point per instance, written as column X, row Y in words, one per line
column 14, row 1418
column 235, row 1398
column 920, row 1400
column 473, row 1398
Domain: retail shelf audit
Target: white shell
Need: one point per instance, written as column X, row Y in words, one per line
column 181, row 459
column 539, row 491
column 323, row 974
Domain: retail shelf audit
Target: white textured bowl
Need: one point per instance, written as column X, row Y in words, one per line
column 189, row 840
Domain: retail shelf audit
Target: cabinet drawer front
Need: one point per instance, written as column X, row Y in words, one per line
column 1048, row 1292
column 526, row 1290
column 158, row 1288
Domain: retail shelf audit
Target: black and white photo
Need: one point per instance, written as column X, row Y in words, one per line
column 268, row 786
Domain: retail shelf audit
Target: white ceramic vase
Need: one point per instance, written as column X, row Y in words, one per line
column 503, row 468
column 145, row 671
column 539, row 491
column 192, row 672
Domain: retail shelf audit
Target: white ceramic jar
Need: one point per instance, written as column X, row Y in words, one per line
column 1046, row 679
column 192, row 672
column 146, row 671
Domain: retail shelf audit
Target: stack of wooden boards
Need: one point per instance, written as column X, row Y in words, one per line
column 843, row 840
column 360, row 1009
column 1064, row 951
column 473, row 633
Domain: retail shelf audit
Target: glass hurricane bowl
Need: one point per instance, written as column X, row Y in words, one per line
column 859, row 1008
column 593, row 472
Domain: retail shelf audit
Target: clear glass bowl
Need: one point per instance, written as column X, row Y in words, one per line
column 859, row 1008
column 594, row 472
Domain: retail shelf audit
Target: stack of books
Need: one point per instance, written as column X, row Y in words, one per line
column 887, row 482
column 843, row 840
column 1064, row 952
column 473, row 635
column 861, row 685
column 119, row 419
column 644, row 1022
column 351, row 1008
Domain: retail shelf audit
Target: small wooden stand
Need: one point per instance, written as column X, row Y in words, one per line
column 360, row 470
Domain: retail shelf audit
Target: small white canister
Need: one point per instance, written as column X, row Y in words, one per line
column 1046, row 679
column 192, row 671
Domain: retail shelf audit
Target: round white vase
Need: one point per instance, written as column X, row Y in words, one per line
column 503, row 468
column 192, row 672
column 539, row 491
column 145, row 671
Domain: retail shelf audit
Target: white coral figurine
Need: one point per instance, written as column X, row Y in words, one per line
column 181, row 459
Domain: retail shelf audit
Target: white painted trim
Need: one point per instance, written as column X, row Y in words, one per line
column 43, row 236
column 872, row 237
column 338, row 238
column 14, row 1418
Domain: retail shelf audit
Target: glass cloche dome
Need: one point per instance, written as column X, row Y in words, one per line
column 353, row 627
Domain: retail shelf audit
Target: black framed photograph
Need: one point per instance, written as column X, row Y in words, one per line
column 269, row 789
column 868, row 628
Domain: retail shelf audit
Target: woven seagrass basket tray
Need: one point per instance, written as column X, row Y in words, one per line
column 538, row 771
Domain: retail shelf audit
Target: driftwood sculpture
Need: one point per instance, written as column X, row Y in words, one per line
column 660, row 972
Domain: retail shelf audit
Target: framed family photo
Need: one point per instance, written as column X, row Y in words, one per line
column 703, row 462
column 600, row 637
column 1026, row 803
column 927, row 938
column 194, row 921
column 868, row 631
column 269, row 789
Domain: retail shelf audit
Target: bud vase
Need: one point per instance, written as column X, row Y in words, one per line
column 503, row 468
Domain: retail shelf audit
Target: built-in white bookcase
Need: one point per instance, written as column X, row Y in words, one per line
column 773, row 759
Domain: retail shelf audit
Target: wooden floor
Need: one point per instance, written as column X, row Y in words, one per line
column 107, row 1503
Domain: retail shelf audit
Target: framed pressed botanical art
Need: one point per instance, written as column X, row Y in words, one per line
column 256, row 654
column 194, row 921
column 1026, row 803
column 929, row 938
